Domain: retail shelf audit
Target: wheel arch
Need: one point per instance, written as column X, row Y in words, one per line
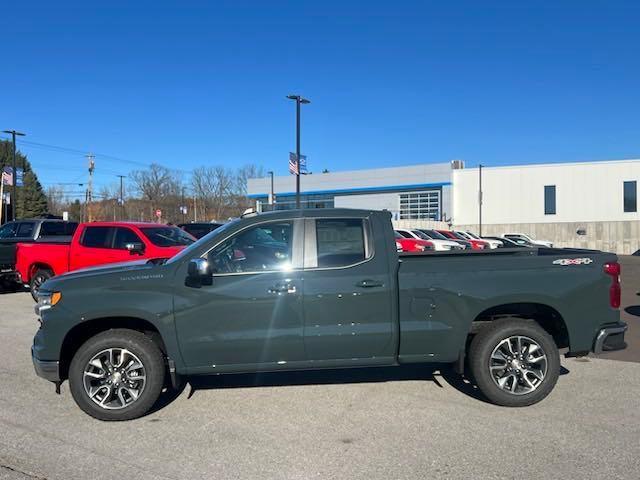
column 87, row 329
column 34, row 267
column 548, row 317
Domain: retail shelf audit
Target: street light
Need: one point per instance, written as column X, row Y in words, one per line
column 299, row 100
column 14, row 193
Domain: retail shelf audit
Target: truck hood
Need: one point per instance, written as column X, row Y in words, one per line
column 142, row 264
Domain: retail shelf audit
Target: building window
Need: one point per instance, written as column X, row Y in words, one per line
column 549, row 199
column 420, row 205
column 630, row 196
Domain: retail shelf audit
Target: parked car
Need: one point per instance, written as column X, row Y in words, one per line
column 526, row 238
column 413, row 244
column 434, row 234
column 199, row 229
column 335, row 296
column 97, row 243
column 507, row 243
column 493, row 243
column 475, row 244
column 438, row 244
column 28, row 231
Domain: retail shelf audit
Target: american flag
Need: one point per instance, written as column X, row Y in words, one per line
column 7, row 178
column 293, row 166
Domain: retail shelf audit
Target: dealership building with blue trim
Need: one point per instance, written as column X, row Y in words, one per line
column 409, row 192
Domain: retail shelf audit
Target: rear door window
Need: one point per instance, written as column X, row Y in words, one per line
column 340, row 242
column 97, row 237
column 124, row 236
column 57, row 229
column 25, row 229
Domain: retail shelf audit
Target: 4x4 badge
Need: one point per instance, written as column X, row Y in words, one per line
column 573, row 261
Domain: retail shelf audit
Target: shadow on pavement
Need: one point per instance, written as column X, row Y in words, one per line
column 435, row 373
column 633, row 310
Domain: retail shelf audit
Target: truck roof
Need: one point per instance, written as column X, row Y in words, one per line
column 317, row 212
column 120, row 224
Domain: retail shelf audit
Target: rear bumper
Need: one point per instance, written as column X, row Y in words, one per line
column 610, row 338
column 49, row 370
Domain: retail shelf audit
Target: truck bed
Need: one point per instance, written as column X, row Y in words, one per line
column 456, row 289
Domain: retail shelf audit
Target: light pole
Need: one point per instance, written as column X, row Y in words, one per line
column 14, row 193
column 271, row 197
column 299, row 100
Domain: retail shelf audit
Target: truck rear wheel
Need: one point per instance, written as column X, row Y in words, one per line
column 39, row 277
column 117, row 375
column 514, row 362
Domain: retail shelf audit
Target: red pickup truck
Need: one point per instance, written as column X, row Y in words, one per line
column 97, row 243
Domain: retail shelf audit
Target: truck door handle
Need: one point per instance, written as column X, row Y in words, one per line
column 369, row 284
column 282, row 288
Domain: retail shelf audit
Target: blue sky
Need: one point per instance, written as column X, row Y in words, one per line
column 391, row 83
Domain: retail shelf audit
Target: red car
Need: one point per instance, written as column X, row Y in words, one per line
column 412, row 244
column 475, row 244
column 97, row 243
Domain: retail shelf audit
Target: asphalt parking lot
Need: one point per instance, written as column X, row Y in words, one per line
column 384, row 423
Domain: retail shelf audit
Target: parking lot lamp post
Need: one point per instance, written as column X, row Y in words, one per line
column 14, row 192
column 299, row 101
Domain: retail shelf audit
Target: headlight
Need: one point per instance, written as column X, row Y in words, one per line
column 48, row 299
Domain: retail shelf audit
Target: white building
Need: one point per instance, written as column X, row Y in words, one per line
column 412, row 192
column 588, row 204
column 549, row 193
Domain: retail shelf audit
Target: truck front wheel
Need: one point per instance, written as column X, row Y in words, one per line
column 514, row 362
column 117, row 375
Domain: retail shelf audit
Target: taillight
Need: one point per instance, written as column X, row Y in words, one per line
column 613, row 269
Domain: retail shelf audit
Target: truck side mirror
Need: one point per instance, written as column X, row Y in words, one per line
column 198, row 273
column 135, row 248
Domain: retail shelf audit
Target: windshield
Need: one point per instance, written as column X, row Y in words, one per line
column 167, row 236
column 194, row 246
column 421, row 235
column 473, row 235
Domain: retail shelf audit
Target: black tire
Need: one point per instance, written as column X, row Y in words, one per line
column 488, row 339
column 139, row 345
column 39, row 277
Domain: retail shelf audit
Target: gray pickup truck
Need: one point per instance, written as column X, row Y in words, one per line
column 317, row 289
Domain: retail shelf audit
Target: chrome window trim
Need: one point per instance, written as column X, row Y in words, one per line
column 297, row 250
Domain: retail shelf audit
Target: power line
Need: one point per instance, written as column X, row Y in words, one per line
column 80, row 152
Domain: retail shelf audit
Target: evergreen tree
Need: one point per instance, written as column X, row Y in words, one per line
column 32, row 201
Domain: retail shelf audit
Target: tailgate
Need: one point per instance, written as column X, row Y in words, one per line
column 7, row 255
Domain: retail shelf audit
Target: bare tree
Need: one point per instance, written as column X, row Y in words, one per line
column 56, row 199
column 159, row 187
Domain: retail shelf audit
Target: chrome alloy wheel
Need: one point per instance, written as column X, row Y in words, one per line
column 518, row 365
column 114, row 378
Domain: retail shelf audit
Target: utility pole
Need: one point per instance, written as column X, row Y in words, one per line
column 299, row 101
column 14, row 192
column 121, row 177
column 92, row 166
column 480, row 200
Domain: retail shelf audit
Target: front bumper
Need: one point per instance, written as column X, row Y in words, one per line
column 49, row 370
column 610, row 338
